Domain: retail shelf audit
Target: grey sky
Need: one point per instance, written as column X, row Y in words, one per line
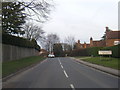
column 82, row 18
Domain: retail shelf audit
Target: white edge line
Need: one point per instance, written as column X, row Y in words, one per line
column 65, row 74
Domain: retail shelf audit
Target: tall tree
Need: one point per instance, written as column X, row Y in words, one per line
column 12, row 17
column 71, row 41
column 58, row 50
column 51, row 39
column 33, row 31
column 37, row 10
column 104, row 36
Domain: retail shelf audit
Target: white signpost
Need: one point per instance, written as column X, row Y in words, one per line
column 104, row 52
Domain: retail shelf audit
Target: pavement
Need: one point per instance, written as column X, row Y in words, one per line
column 101, row 68
column 61, row 72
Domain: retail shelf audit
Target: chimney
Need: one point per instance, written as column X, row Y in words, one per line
column 84, row 44
column 91, row 39
column 107, row 29
column 78, row 41
column 91, row 42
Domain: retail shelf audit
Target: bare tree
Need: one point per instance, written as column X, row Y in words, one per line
column 51, row 39
column 70, row 40
column 32, row 31
column 37, row 10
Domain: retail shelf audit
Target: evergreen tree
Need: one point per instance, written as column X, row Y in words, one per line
column 104, row 36
column 58, row 50
column 12, row 17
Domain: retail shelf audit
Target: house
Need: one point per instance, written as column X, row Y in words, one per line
column 79, row 45
column 98, row 43
column 111, row 38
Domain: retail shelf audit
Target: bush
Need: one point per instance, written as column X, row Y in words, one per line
column 115, row 50
column 93, row 51
column 19, row 41
column 79, row 52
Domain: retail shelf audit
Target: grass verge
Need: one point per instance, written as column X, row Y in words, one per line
column 10, row 67
column 103, row 61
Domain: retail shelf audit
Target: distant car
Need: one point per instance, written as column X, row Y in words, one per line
column 51, row 56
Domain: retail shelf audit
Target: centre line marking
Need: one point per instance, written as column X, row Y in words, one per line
column 61, row 66
column 71, row 85
column 65, row 74
column 59, row 61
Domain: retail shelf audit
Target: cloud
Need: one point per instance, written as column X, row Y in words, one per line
column 83, row 18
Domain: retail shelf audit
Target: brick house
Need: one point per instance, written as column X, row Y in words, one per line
column 111, row 38
column 79, row 45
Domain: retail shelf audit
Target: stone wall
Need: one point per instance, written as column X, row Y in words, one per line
column 10, row 52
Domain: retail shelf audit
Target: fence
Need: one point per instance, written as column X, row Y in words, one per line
column 10, row 52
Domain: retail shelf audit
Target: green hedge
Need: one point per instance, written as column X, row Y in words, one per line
column 115, row 50
column 93, row 51
column 19, row 41
column 79, row 52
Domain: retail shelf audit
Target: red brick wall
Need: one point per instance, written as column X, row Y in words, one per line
column 110, row 42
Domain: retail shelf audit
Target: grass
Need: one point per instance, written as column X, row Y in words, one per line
column 13, row 66
column 104, row 61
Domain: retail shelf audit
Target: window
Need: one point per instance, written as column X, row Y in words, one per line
column 116, row 42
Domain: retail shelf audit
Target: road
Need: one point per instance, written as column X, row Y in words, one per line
column 62, row 72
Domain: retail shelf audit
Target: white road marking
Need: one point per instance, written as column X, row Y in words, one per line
column 59, row 61
column 71, row 85
column 65, row 74
column 62, row 66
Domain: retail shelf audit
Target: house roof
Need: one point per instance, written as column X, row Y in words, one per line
column 113, row 35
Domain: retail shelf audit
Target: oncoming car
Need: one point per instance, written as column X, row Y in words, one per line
column 51, row 56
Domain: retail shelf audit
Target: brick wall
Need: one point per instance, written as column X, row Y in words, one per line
column 110, row 42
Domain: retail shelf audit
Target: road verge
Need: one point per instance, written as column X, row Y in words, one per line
column 12, row 68
column 99, row 67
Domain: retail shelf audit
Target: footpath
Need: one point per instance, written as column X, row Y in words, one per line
column 101, row 68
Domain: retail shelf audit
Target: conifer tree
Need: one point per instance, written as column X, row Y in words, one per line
column 12, row 17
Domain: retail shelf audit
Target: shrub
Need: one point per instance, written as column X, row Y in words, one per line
column 79, row 52
column 19, row 41
column 93, row 51
column 115, row 50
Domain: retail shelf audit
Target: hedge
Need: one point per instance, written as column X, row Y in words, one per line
column 115, row 50
column 79, row 52
column 19, row 41
column 93, row 51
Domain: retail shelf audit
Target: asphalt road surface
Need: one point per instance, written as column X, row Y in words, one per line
column 62, row 72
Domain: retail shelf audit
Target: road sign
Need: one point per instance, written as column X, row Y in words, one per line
column 105, row 52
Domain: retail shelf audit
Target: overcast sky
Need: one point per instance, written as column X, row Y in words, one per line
column 82, row 18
